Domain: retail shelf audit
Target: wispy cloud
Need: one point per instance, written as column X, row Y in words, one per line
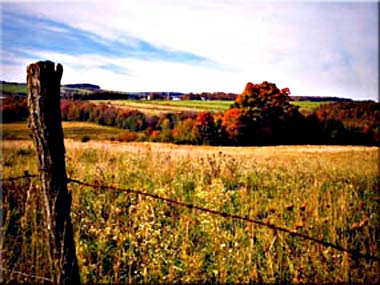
column 313, row 48
column 25, row 32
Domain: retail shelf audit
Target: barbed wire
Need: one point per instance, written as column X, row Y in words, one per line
column 353, row 253
column 15, row 178
column 291, row 232
column 30, row 275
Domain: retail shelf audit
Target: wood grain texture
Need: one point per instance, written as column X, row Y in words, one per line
column 43, row 90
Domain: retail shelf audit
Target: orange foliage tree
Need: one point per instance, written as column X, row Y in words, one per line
column 259, row 115
column 204, row 130
column 236, row 125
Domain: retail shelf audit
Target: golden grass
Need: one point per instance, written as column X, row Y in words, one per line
column 329, row 192
column 156, row 107
column 72, row 130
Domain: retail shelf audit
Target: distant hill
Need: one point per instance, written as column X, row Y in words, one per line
column 87, row 91
column 319, row 99
column 87, row 86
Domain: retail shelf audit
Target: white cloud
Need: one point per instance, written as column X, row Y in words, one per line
column 303, row 46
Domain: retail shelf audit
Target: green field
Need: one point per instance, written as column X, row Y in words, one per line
column 156, row 107
column 72, row 130
column 21, row 88
column 12, row 88
column 328, row 192
column 308, row 106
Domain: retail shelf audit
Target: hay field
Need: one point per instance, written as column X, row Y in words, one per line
column 329, row 192
column 156, row 107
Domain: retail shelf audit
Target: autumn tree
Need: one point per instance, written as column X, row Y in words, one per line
column 14, row 109
column 182, row 133
column 236, row 126
column 261, row 113
column 204, row 130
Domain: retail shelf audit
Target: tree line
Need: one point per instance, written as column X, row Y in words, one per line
column 261, row 115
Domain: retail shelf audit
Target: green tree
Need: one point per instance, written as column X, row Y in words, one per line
column 182, row 133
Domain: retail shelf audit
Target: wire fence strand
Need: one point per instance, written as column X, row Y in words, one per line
column 33, row 276
column 291, row 232
column 16, row 178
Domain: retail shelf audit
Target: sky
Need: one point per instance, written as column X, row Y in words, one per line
column 313, row 48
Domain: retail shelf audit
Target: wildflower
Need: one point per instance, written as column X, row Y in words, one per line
column 289, row 207
column 354, row 226
column 299, row 226
column 363, row 223
column 325, row 220
column 272, row 209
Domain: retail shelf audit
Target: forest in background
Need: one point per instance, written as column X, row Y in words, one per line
column 261, row 115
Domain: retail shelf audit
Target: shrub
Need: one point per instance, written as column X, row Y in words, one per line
column 128, row 137
column 85, row 139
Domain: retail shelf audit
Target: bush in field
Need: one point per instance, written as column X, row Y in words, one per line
column 152, row 123
column 166, row 134
column 85, row 109
column 97, row 114
column 182, row 133
column 109, row 116
column 14, row 109
column 204, row 130
column 131, row 119
column 373, row 131
column 65, row 107
column 167, row 121
column 73, row 113
column 128, row 137
column 154, row 136
column 85, row 139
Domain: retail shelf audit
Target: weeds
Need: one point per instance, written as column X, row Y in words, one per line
column 128, row 238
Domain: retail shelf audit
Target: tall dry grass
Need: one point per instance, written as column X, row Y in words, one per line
column 326, row 192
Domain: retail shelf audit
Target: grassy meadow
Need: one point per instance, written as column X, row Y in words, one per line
column 307, row 107
column 72, row 130
column 13, row 88
column 328, row 192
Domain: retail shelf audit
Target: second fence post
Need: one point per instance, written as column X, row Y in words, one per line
column 43, row 88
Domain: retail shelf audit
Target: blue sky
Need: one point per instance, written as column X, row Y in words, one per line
column 314, row 48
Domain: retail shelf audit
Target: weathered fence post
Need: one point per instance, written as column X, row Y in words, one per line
column 43, row 88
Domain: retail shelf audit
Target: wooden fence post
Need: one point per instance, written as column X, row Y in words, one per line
column 43, row 88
